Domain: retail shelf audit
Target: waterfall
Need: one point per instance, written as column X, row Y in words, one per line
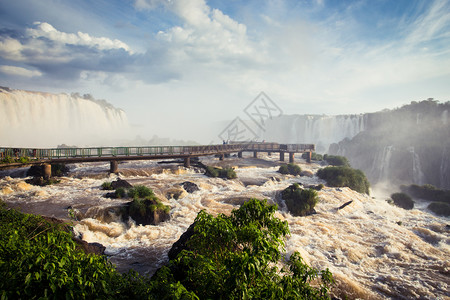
column 321, row 130
column 444, row 117
column 418, row 176
column 381, row 164
column 444, row 168
column 35, row 119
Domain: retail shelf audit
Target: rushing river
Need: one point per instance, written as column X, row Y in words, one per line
column 373, row 249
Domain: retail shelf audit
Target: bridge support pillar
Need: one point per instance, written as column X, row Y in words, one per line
column 114, row 167
column 281, row 156
column 255, row 154
column 308, row 156
column 291, row 157
column 187, row 162
column 221, row 156
column 47, row 170
column 240, row 154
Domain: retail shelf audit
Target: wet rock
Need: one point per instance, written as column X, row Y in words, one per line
column 181, row 244
column 345, row 204
column 120, row 183
column 190, row 187
column 176, row 193
column 90, row 248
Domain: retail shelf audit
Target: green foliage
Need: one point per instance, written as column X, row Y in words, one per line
column 291, row 169
column 228, row 173
column 300, row 202
column 336, row 160
column 427, row 192
column 402, row 200
column 8, row 160
column 239, row 257
column 24, row 159
column 39, row 260
column 140, row 191
column 345, row 176
column 440, row 208
column 107, row 186
column 120, row 193
column 59, row 169
column 314, row 156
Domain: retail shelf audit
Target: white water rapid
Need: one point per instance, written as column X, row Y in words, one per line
column 373, row 249
column 35, row 119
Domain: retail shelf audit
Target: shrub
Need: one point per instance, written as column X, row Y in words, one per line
column 336, row 160
column 427, row 192
column 228, row 173
column 24, row 159
column 39, row 259
column 107, row 186
column 300, row 202
column 402, row 200
column 240, row 257
column 8, row 160
column 440, row 208
column 140, row 191
column 291, row 169
column 120, row 193
column 345, row 176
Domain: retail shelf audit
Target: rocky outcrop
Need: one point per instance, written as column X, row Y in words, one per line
column 181, row 244
column 120, row 183
column 190, row 187
column 145, row 211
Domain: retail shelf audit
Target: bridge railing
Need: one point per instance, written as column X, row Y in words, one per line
column 65, row 153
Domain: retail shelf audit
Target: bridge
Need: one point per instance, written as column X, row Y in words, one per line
column 21, row 157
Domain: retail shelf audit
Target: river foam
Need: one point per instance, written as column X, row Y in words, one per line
column 373, row 249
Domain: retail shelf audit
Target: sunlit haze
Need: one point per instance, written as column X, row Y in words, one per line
column 184, row 69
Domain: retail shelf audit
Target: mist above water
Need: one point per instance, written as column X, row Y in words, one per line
column 35, row 119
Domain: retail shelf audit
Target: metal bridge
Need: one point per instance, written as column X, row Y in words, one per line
column 19, row 157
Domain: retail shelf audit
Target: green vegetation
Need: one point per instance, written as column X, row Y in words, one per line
column 229, row 257
column 427, row 192
column 300, row 202
column 140, row 192
column 39, row 260
column 314, row 156
column 142, row 207
column 440, row 208
column 336, row 160
column 107, row 186
column 345, row 176
column 240, row 257
column 291, row 169
column 120, row 193
column 228, row 173
column 9, row 160
column 402, row 200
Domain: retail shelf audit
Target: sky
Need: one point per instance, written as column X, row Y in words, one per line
column 185, row 68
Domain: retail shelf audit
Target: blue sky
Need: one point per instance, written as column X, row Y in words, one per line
column 183, row 68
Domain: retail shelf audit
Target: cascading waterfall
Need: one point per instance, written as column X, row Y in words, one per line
column 381, row 164
column 444, row 168
column 318, row 129
column 418, row 176
column 35, row 119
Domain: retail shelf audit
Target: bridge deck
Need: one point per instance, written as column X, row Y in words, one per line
column 16, row 157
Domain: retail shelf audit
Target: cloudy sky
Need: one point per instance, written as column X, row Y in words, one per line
column 183, row 68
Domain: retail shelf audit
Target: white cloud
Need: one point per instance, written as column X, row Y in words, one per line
column 19, row 71
column 43, row 29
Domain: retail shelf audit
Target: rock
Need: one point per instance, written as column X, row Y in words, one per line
column 306, row 173
column 181, row 244
column 120, row 183
column 345, row 204
column 88, row 248
column 176, row 193
column 190, row 187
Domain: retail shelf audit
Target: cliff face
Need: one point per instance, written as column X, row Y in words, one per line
column 407, row 145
